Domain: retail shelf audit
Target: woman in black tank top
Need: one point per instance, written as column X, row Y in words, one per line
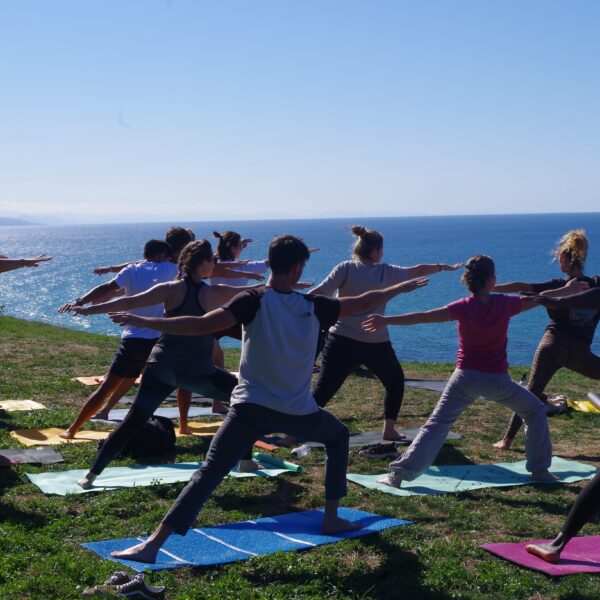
column 176, row 361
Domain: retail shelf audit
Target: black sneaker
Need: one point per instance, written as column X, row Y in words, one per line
column 140, row 590
column 379, row 451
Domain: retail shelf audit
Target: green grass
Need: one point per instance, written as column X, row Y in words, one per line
column 436, row 558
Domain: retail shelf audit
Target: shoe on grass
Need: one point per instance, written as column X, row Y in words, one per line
column 379, row 451
column 134, row 589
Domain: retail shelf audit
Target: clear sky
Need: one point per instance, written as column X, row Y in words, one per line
column 153, row 109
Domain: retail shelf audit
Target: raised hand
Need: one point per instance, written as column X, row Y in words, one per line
column 245, row 242
column 413, row 284
column 256, row 276
column 68, row 307
column 543, row 300
column 303, row 285
column 33, row 262
column 84, row 311
column 453, row 267
column 123, row 318
column 102, row 270
column 373, row 323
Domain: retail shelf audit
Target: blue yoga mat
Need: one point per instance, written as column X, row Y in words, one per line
column 208, row 546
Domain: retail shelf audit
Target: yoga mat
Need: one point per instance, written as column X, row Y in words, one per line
column 208, row 546
column 14, row 405
column 360, row 438
column 196, row 399
column 170, row 412
column 62, row 483
column 461, row 478
column 582, row 555
column 49, row 436
column 433, row 385
column 17, row 456
column 97, row 380
column 582, row 406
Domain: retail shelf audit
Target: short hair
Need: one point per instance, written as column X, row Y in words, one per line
column 285, row 252
column 192, row 255
column 367, row 241
column 154, row 248
column 178, row 237
column 478, row 269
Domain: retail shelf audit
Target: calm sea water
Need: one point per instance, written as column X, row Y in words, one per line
column 520, row 246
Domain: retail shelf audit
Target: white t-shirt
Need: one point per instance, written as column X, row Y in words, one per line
column 254, row 266
column 352, row 278
column 137, row 278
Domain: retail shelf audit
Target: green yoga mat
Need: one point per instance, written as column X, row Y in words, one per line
column 62, row 483
column 462, row 478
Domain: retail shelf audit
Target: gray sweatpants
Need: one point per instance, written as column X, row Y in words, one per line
column 244, row 424
column 463, row 388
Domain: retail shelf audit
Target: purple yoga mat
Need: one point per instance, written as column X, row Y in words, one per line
column 582, row 555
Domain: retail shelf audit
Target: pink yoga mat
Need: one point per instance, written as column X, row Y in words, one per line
column 582, row 555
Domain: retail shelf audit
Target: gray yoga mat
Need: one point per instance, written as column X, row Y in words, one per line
column 433, row 385
column 170, row 412
column 43, row 455
column 365, row 438
column 196, row 399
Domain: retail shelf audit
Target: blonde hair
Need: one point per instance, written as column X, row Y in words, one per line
column 367, row 241
column 573, row 246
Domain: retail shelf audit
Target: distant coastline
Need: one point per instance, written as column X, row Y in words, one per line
column 9, row 221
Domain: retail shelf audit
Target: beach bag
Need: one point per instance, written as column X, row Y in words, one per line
column 156, row 438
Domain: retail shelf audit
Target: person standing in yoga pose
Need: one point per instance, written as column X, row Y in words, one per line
column 136, row 343
column 273, row 395
column 587, row 503
column 175, row 361
column 569, row 334
column 481, row 371
column 347, row 345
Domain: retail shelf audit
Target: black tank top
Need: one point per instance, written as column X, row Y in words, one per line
column 187, row 351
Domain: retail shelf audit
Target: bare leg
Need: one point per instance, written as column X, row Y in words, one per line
column 121, row 390
column 184, row 400
column 332, row 523
column 146, row 551
column 93, row 403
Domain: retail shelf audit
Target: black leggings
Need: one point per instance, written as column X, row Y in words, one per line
column 342, row 354
column 586, row 505
column 157, row 383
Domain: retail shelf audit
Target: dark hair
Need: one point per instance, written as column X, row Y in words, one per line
column 192, row 255
column 154, row 248
column 285, row 252
column 228, row 240
column 178, row 237
column 368, row 240
column 478, row 269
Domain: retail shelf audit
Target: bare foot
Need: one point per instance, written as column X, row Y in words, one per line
column 87, row 482
column 392, row 436
column 544, row 475
column 185, row 430
column 503, row 444
column 332, row 525
column 393, row 479
column 247, row 466
column 144, row 552
column 546, row 552
column 67, row 434
column 219, row 408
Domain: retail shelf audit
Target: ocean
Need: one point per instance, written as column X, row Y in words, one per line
column 519, row 244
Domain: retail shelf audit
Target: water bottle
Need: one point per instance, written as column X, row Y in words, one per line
column 301, row 451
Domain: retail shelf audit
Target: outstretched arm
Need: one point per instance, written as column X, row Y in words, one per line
column 429, row 269
column 10, row 264
column 585, row 299
column 549, row 298
column 215, row 320
column 364, row 302
column 92, row 296
column 113, row 268
column 437, row 315
column 214, row 296
column 155, row 295
column 514, row 287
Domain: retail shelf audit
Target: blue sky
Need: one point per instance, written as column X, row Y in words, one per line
column 146, row 109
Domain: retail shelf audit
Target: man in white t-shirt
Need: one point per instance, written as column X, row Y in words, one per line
column 136, row 342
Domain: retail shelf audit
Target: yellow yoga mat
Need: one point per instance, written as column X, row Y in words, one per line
column 50, row 437
column 13, row 405
column 96, row 380
column 582, row 406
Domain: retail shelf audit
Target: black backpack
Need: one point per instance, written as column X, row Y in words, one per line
column 156, row 438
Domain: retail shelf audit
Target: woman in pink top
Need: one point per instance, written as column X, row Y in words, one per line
column 481, row 372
